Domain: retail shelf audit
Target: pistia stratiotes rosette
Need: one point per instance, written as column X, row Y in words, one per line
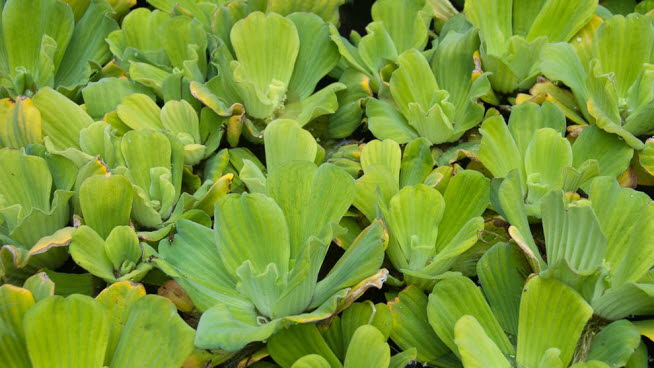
column 604, row 255
column 495, row 325
column 219, row 16
column 532, row 147
column 467, row 324
column 433, row 215
column 436, row 99
column 106, row 245
column 34, row 211
column 200, row 135
column 121, row 327
column 272, row 72
column 367, row 60
column 47, row 118
column 514, row 32
column 164, row 52
column 54, row 43
column 397, row 26
column 251, row 283
column 356, row 338
column 611, row 75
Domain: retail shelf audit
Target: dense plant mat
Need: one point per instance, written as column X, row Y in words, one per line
column 326, row 183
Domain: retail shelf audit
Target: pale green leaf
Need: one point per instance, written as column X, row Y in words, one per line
column 71, row 332
column 477, row 350
column 457, row 296
column 559, row 315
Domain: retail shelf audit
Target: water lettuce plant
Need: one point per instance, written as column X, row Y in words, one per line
column 111, row 330
column 432, row 99
column 255, row 291
column 611, row 86
column 534, row 146
column 513, row 36
column 257, row 90
column 63, row 46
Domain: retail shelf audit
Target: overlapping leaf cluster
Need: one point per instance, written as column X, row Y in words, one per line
column 195, row 183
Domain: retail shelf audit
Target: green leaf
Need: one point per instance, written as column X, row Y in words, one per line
column 367, row 347
column 67, row 332
column 385, row 153
column 138, row 38
column 640, row 357
column 286, row 141
column 63, row 120
column 198, row 266
column 20, row 123
column 185, row 45
column 122, row 246
column 557, row 312
column 417, row 162
column 387, row 123
column 139, row 111
column 267, row 230
column 118, row 298
column 625, row 300
column 154, row 161
column 590, row 364
column 559, row 20
column 311, row 361
column 528, row 118
column 375, row 49
column 317, row 55
column 180, row 118
column 153, row 326
column 493, row 19
column 502, row 273
column 467, row 196
column 362, row 259
column 503, row 200
column 646, row 156
column 572, row 233
column 405, row 22
column 615, row 344
column 265, row 61
column 413, row 216
column 413, row 87
column 36, row 33
column 498, row 151
column 612, row 153
column 40, row 286
column 220, row 327
column 559, row 62
column 323, row 102
column 312, row 199
column 453, row 70
column 457, row 296
column 326, row 9
column 106, row 94
column 477, row 350
column 378, row 180
column 625, row 231
column 88, row 250
column 14, row 303
column 75, row 283
column 623, row 45
column 87, row 46
column 288, row 346
column 340, row 332
column 24, row 181
column 411, row 326
column 106, row 202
